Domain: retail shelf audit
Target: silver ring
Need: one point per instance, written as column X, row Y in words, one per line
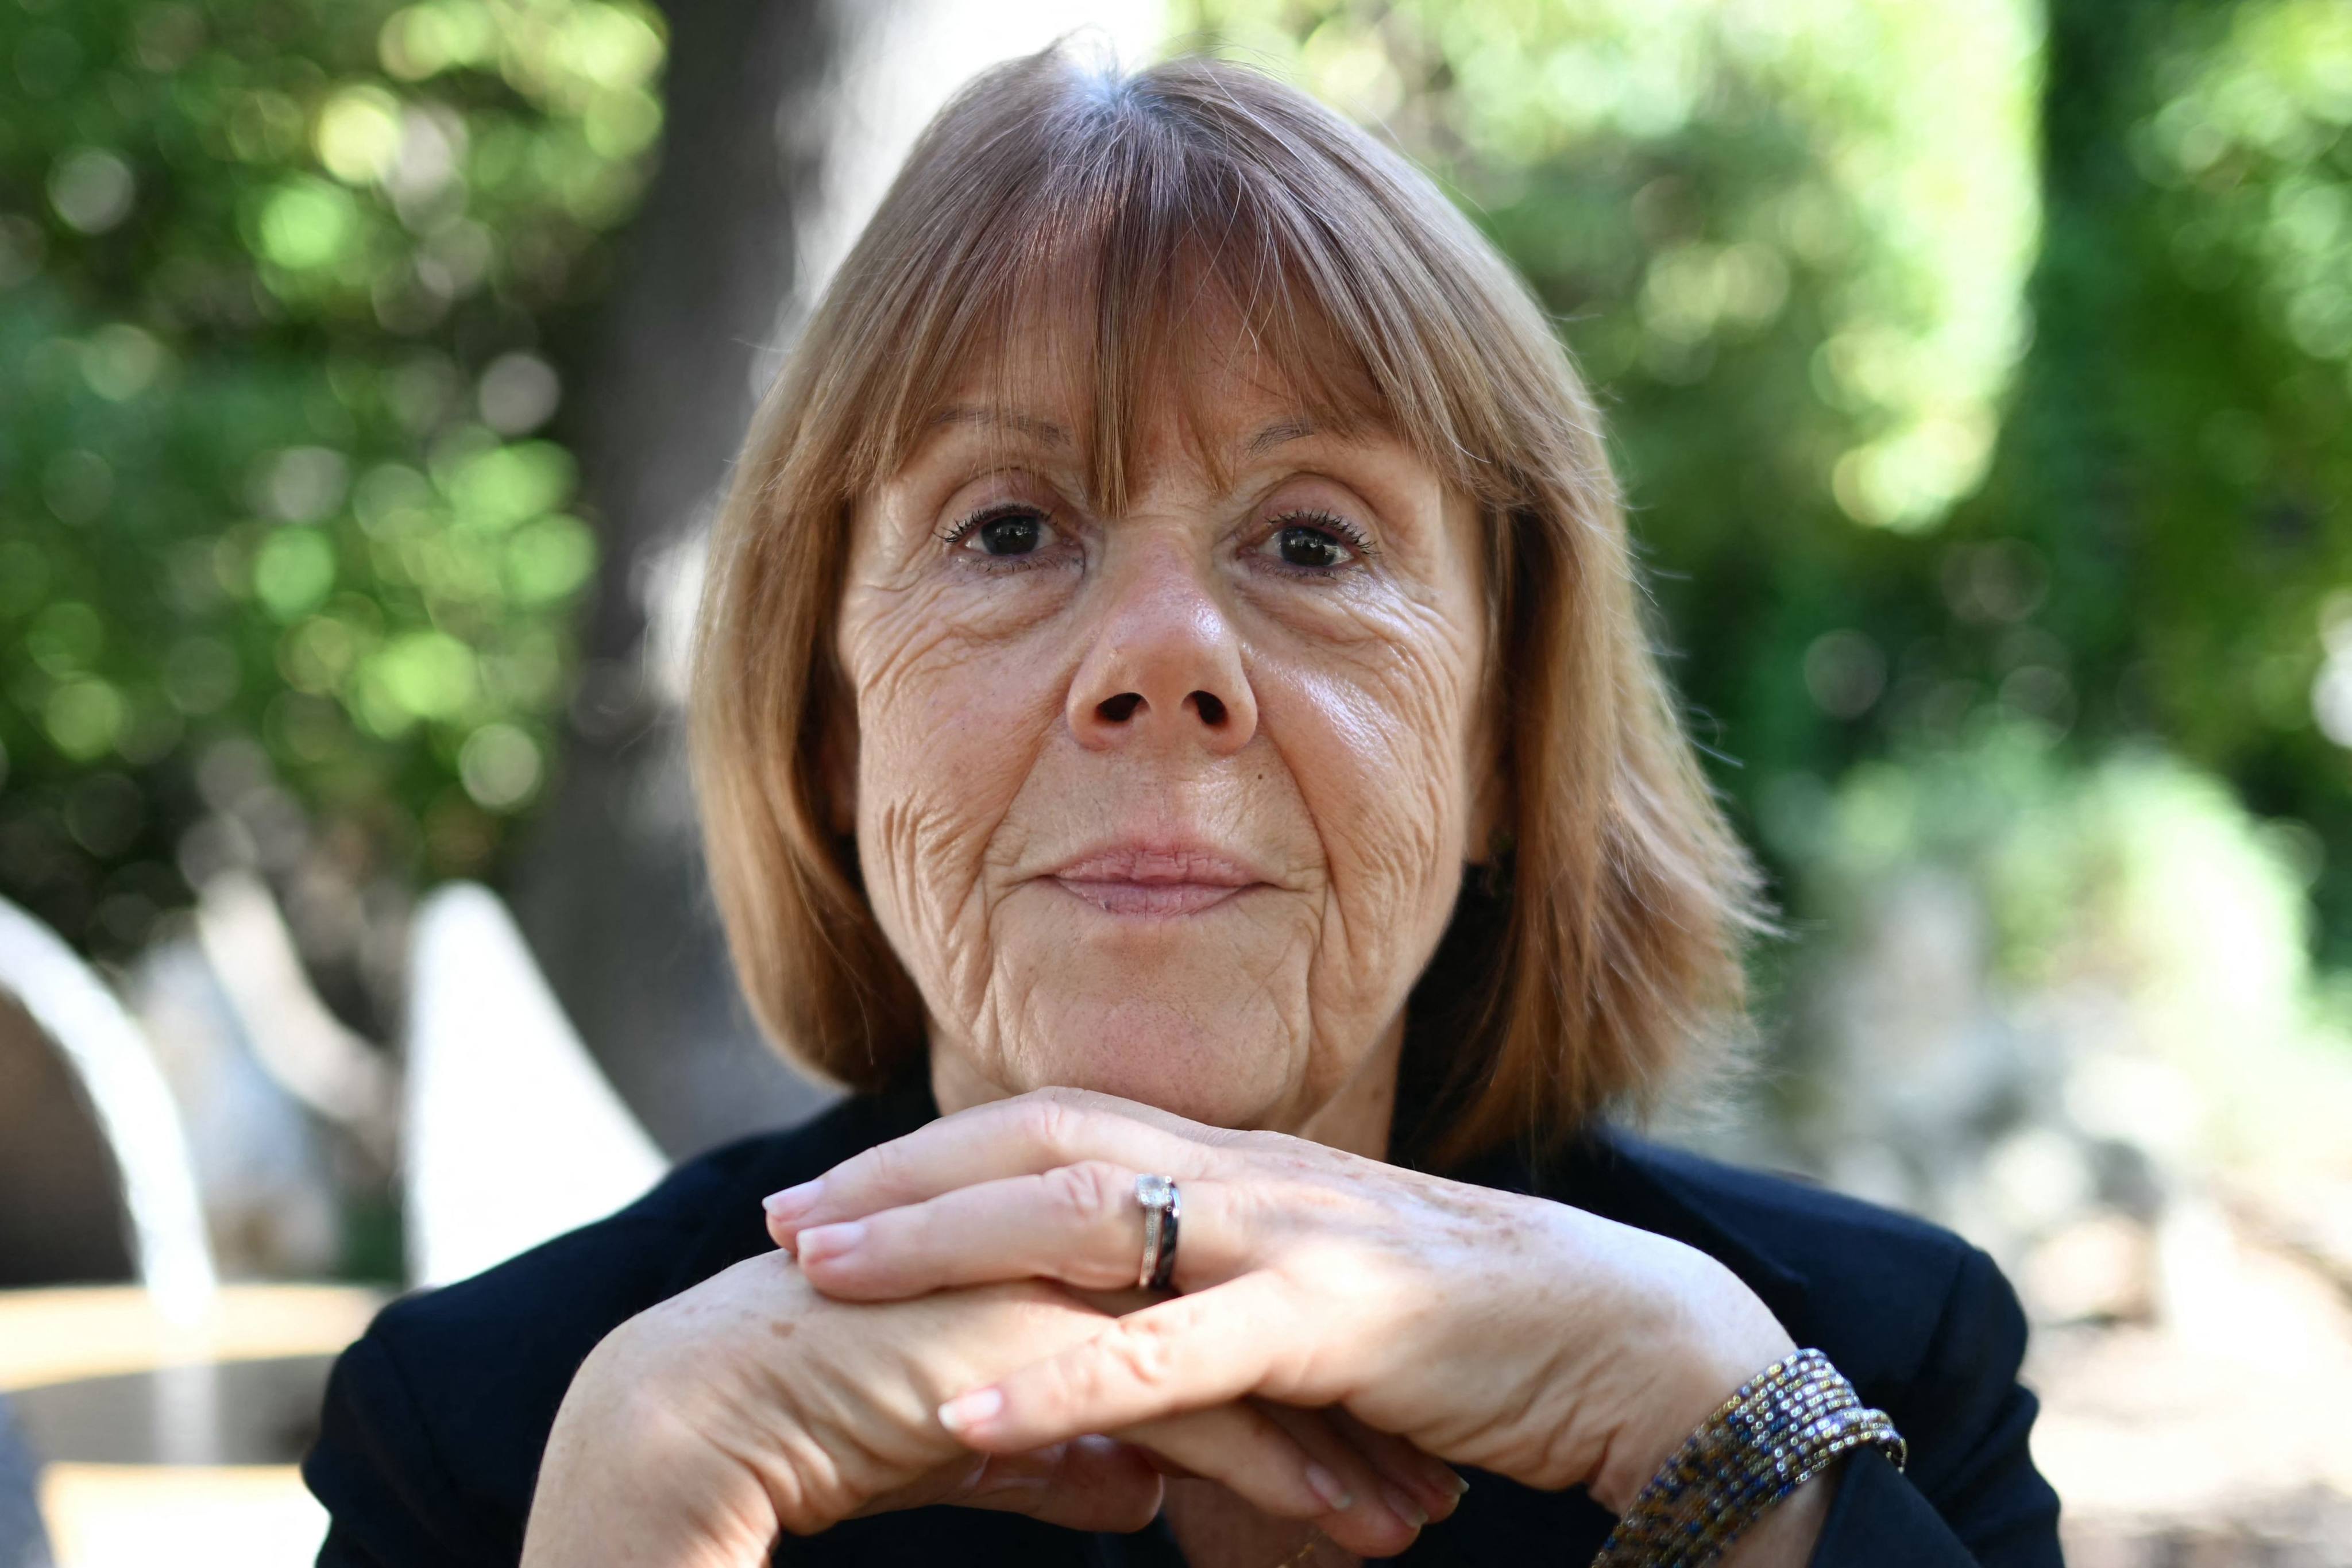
column 1162, row 1207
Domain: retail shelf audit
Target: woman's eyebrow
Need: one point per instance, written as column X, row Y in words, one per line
column 1276, row 435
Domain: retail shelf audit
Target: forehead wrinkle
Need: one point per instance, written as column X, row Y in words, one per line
column 1031, row 425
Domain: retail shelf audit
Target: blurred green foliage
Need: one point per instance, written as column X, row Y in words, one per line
column 1978, row 367
column 2124, row 932
column 275, row 276
column 1975, row 367
column 2178, row 455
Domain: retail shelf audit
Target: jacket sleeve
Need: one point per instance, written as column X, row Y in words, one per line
column 378, row 1470
column 1969, row 1496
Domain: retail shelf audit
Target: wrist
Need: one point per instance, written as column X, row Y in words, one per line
column 630, row 1476
column 1706, row 1335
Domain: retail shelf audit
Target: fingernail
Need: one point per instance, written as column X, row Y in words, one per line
column 792, row 1202
column 1328, row 1487
column 1401, row 1504
column 1454, row 1478
column 966, row 1411
column 827, row 1242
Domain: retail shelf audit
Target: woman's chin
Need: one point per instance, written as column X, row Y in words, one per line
column 1225, row 1078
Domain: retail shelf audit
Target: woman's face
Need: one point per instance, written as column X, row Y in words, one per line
column 1174, row 804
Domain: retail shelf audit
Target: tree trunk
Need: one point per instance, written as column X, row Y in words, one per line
column 610, row 889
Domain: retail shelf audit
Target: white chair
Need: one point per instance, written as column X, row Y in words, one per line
column 511, row 1132
column 116, row 1067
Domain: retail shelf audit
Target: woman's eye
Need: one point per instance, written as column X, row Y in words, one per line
column 1314, row 544
column 1019, row 532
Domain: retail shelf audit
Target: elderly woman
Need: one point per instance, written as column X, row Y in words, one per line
column 1177, row 740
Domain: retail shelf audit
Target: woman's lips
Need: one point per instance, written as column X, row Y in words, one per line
column 1120, row 897
column 1155, row 878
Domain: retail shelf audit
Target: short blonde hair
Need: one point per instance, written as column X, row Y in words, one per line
column 1109, row 201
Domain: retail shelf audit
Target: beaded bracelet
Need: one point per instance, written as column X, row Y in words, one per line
column 1781, row 1428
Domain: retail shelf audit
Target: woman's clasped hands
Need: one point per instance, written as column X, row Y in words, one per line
column 951, row 1317
column 753, row 1405
column 1485, row 1328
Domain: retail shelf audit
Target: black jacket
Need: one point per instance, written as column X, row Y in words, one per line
column 435, row 1420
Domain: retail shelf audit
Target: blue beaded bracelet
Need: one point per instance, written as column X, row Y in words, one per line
column 1781, row 1428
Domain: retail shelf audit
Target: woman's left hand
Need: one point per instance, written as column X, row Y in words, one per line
column 1491, row 1328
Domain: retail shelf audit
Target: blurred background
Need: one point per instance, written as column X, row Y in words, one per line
column 1982, row 372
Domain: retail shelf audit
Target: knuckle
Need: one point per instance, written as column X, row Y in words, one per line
column 881, row 1168
column 1143, row 1353
column 1090, row 1192
column 1051, row 1123
column 805, row 1488
column 1079, row 1385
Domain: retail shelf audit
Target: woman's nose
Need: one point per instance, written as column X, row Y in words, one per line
column 1165, row 665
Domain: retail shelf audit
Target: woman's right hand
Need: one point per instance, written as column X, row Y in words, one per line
column 751, row 1405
